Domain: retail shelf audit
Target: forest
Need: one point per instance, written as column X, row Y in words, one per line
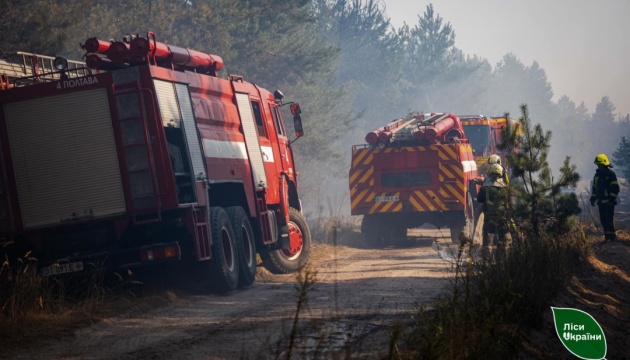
column 349, row 68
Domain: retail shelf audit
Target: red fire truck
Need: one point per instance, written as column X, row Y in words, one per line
column 411, row 172
column 484, row 133
column 144, row 157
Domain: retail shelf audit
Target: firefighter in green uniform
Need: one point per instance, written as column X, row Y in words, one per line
column 495, row 197
column 604, row 192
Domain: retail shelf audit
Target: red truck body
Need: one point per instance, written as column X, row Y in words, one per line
column 155, row 160
column 411, row 172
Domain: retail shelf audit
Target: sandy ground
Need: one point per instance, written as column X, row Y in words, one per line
column 359, row 295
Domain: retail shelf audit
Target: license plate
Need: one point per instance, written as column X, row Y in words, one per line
column 62, row 268
column 386, row 198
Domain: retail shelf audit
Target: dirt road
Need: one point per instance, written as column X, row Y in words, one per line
column 358, row 295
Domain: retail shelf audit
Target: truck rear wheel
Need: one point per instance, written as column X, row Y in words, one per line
column 286, row 261
column 371, row 231
column 224, row 265
column 245, row 245
column 378, row 233
column 464, row 226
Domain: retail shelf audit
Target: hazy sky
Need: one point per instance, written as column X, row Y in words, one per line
column 583, row 45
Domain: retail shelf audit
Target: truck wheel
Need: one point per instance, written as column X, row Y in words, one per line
column 371, row 231
column 224, row 267
column 465, row 226
column 286, row 261
column 399, row 232
column 245, row 245
column 378, row 234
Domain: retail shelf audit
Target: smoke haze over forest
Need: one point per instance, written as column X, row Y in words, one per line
column 353, row 69
column 500, row 65
column 581, row 44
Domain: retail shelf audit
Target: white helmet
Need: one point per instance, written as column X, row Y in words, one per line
column 494, row 159
column 495, row 169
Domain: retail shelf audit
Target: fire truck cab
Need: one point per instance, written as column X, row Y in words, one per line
column 484, row 134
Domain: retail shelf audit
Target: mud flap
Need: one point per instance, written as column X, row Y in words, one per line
column 283, row 237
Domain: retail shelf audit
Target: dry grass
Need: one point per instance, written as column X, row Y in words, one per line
column 491, row 301
column 31, row 304
column 601, row 287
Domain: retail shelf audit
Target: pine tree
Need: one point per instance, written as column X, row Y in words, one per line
column 361, row 31
column 528, row 84
column 602, row 126
column 540, row 207
column 431, row 45
column 431, row 53
column 39, row 26
column 621, row 157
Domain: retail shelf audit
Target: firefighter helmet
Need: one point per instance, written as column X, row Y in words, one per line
column 494, row 159
column 495, row 169
column 602, row 159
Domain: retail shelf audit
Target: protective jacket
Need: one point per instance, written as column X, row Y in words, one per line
column 605, row 187
column 494, row 195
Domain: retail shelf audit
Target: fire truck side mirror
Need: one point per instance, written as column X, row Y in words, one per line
column 295, row 109
column 297, row 124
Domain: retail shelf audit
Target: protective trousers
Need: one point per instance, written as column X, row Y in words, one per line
column 503, row 238
column 607, row 219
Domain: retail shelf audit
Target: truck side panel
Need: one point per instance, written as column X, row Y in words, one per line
column 223, row 143
column 64, row 158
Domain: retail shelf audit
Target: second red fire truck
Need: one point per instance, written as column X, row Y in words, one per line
column 145, row 157
column 411, row 172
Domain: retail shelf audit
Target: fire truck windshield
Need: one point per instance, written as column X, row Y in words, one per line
column 479, row 138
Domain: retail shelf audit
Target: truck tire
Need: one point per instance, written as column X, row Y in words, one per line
column 286, row 261
column 464, row 225
column 371, row 231
column 245, row 244
column 224, row 265
column 379, row 235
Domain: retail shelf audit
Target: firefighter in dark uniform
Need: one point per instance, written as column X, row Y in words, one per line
column 495, row 197
column 604, row 192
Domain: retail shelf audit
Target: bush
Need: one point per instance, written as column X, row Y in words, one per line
column 21, row 288
column 25, row 294
column 492, row 300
